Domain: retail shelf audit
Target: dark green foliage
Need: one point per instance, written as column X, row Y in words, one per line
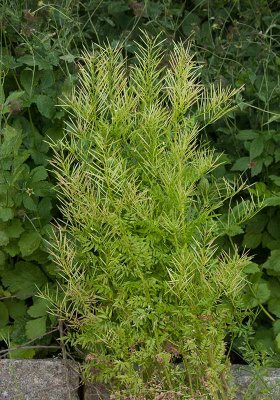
column 239, row 44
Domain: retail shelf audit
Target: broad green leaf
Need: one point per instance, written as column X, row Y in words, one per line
column 241, row 164
column 17, row 308
column 272, row 201
column 36, row 328
column 276, row 327
column 252, row 240
column 256, row 147
column 258, row 293
column 257, row 223
column 190, row 22
column 275, row 179
column 14, row 96
column 273, row 262
column 38, row 174
column 6, row 213
column 277, row 341
column 14, row 229
column 274, row 306
column 29, row 242
column 273, row 227
column 248, row 134
column 256, row 167
column 21, row 353
column 12, row 248
column 29, row 80
column 12, row 141
column 39, row 308
column 2, row 257
column 4, row 315
column 23, row 279
column 45, row 105
column 29, row 202
column 4, row 238
column 251, row 268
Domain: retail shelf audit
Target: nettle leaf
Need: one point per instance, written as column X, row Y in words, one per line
column 17, row 308
column 23, row 279
column 256, row 147
column 29, row 242
column 29, row 202
column 2, row 258
column 46, row 105
column 6, row 214
column 273, row 227
column 258, row 293
column 257, row 166
column 4, row 238
column 29, row 80
column 241, row 164
column 247, row 134
column 39, row 308
column 274, row 306
column 4, row 315
column 38, row 174
column 190, row 22
column 251, row 268
column 14, row 229
column 12, row 249
column 36, row 328
column 275, row 179
column 252, row 240
column 273, row 262
column 21, row 353
column 12, row 141
column 14, row 96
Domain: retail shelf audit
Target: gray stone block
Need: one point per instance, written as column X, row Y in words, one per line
column 254, row 384
column 38, row 380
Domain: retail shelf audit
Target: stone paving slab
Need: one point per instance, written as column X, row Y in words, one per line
column 59, row 380
column 38, row 380
column 254, row 385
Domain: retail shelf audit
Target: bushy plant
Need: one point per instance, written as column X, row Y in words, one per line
column 146, row 292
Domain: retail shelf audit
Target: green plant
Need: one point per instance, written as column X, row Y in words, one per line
column 147, row 293
column 34, row 70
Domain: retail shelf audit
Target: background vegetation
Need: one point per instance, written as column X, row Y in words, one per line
column 237, row 42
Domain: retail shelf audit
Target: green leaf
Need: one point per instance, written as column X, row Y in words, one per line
column 12, row 141
column 39, row 308
column 273, row 262
column 275, row 179
column 4, row 239
column 190, row 22
column 256, row 147
column 247, row 135
column 45, row 105
column 251, row 268
column 29, row 242
column 274, row 307
column 241, row 164
column 38, row 174
column 23, row 279
column 14, row 229
column 258, row 293
column 273, row 227
column 4, row 315
column 21, row 353
column 2, row 257
column 6, row 214
column 36, row 328
column 17, row 308
column 29, row 202
column 252, row 240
